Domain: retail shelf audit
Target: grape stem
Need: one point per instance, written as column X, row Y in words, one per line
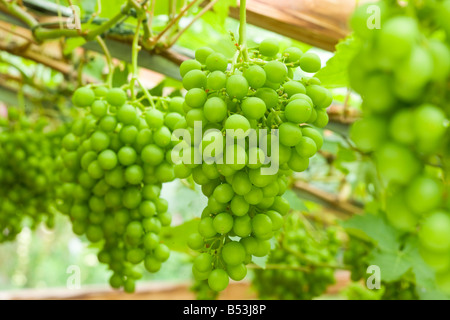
column 243, row 29
column 109, row 61
column 147, row 94
column 134, row 58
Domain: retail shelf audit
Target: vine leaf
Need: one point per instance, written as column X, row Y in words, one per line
column 176, row 237
column 295, row 202
column 376, row 228
column 72, row 43
column 335, row 73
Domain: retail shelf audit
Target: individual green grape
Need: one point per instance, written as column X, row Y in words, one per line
column 218, row 280
column 223, row 223
column 290, row 134
column 298, row 111
column 189, row 65
column 256, row 76
column 201, row 54
column 292, row 54
column 253, row 108
column 196, row 98
column 310, row 62
column 83, row 97
column 116, row 97
column 215, row 110
column 237, row 86
column 434, row 233
column 269, row 96
column 269, row 47
column 216, row 62
column 194, row 79
column 276, row 71
column 233, row 253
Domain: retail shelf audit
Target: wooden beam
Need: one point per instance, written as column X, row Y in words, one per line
column 320, row 23
column 344, row 209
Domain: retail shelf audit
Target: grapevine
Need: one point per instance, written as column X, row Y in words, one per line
column 28, row 150
column 402, row 73
column 116, row 160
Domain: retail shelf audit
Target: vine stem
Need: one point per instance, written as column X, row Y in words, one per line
column 147, row 94
column 198, row 16
column 134, row 58
column 109, row 61
column 173, row 22
column 243, row 29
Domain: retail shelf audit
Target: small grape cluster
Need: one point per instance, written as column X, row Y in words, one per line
column 304, row 258
column 28, row 150
column 403, row 73
column 355, row 256
column 116, row 159
column 250, row 98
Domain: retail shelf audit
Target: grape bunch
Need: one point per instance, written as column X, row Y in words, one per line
column 230, row 107
column 355, row 256
column 28, row 151
column 303, row 258
column 116, row 159
column 403, row 74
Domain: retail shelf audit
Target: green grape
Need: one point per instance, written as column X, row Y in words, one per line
column 290, row 134
column 195, row 241
column 237, row 273
column 189, row 65
column 269, row 96
column 195, row 98
column 218, row 280
column 194, row 79
column 233, row 253
column 276, row 71
column 216, row 62
column 292, row 54
column 216, row 80
column 127, row 114
column 202, row 54
column 256, row 76
column 310, row 62
column 237, row 86
column 435, row 232
column 116, row 97
column 223, row 223
column 99, row 108
column 83, row 97
column 269, row 47
column 253, row 108
column 215, row 110
column 298, row 111
column 293, row 87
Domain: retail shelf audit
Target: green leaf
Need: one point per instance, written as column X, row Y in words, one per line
column 335, row 73
column 295, row 202
column 73, row 43
column 95, row 67
column 393, row 265
column 377, row 229
column 109, row 8
column 176, row 237
column 222, row 8
column 120, row 76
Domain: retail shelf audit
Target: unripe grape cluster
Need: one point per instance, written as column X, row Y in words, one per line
column 403, row 74
column 246, row 97
column 304, row 258
column 116, row 159
column 28, row 149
